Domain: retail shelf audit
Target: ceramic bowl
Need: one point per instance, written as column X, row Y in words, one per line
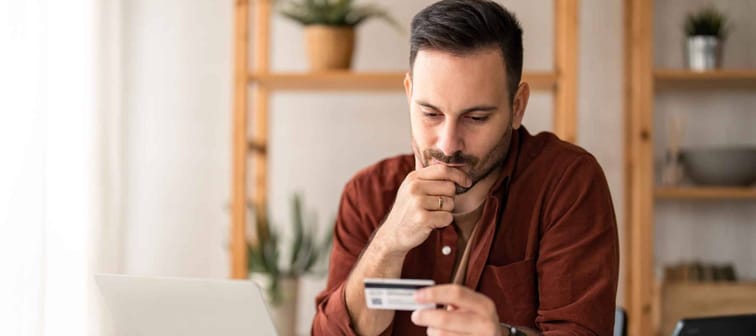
column 720, row 166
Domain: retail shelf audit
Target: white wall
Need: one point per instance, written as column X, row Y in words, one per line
column 177, row 107
column 177, row 92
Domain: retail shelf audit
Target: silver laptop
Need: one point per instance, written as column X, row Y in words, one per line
column 146, row 306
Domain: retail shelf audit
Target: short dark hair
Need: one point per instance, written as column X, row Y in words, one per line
column 465, row 26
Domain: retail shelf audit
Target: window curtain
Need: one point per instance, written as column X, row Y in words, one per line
column 60, row 159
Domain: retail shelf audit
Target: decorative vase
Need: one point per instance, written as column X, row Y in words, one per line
column 703, row 53
column 284, row 312
column 329, row 47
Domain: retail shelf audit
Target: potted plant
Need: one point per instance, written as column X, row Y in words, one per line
column 706, row 31
column 329, row 29
column 280, row 278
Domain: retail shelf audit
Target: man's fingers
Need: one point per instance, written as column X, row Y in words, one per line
column 438, row 332
column 451, row 323
column 438, row 203
column 461, row 297
column 443, row 172
column 443, row 320
column 438, row 219
column 436, row 188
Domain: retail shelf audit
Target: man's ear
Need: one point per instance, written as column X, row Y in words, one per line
column 519, row 104
column 408, row 86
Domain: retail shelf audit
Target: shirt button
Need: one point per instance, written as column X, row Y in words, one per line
column 446, row 250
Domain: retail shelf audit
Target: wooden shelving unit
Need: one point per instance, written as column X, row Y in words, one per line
column 250, row 148
column 644, row 301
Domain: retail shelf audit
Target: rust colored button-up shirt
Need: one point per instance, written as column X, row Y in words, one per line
column 547, row 250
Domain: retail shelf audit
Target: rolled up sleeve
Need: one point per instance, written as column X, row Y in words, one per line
column 351, row 235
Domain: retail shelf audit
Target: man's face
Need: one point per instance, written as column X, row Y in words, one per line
column 460, row 111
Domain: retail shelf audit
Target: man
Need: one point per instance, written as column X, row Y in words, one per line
column 518, row 230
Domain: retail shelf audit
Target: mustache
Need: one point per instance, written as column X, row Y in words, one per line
column 456, row 158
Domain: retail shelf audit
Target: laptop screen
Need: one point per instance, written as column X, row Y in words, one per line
column 736, row 325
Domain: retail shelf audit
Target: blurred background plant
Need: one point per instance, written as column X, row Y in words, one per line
column 708, row 21
column 306, row 253
column 334, row 13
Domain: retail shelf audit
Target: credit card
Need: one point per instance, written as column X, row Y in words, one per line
column 395, row 294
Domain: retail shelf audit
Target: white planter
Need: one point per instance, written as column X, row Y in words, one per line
column 703, row 53
column 284, row 313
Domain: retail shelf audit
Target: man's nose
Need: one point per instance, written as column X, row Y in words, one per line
column 450, row 139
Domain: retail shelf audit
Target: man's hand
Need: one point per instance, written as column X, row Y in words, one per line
column 424, row 202
column 469, row 312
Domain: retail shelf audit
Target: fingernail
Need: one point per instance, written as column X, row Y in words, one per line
column 414, row 316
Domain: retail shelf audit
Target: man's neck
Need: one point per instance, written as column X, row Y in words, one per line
column 469, row 206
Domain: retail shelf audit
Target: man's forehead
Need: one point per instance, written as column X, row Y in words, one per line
column 439, row 74
column 488, row 56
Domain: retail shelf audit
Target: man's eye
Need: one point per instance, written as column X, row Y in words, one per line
column 431, row 114
column 479, row 119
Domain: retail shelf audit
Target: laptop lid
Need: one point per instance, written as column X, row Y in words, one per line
column 736, row 325
column 146, row 306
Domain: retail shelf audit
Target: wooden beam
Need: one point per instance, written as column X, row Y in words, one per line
column 565, row 64
column 639, row 169
column 709, row 80
column 239, row 142
column 262, row 11
column 262, row 35
column 331, row 81
column 365, row 81
column 260, row 157
column 713, row 193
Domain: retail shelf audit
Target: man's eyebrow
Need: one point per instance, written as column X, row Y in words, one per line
column 480, row 108
column 477, row 108
column 426, row 104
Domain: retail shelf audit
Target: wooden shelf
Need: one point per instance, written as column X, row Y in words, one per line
column 719, row 79
column 705, row 193
column 365, row 81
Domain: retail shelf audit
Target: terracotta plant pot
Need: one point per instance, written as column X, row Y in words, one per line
column 329, row 48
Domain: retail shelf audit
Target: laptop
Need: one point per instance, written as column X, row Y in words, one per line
column 736, row 325
column 147, row 306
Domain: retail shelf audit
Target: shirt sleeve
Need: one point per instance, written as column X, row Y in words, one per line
column 578, row 261
column 352, row 233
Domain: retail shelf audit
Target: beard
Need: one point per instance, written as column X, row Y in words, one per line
column 479, row 167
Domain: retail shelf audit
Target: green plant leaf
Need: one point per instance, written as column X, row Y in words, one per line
column 708, row 21
column 307, row 250
column 298, row 223
column 333, row 13
column 299, row 267
column 364, row 12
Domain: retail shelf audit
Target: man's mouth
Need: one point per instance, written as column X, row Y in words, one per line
column 453, row 165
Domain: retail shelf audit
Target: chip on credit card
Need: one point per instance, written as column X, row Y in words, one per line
column 395, row 294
